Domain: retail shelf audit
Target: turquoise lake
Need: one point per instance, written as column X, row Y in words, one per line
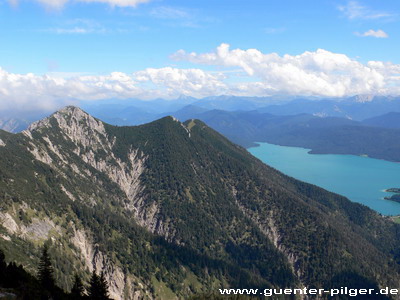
column 361, row 179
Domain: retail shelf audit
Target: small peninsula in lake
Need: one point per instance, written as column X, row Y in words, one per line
column 395, row 197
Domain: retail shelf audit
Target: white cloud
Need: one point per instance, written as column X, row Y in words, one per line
column 13, row 2
column 34, row 92
column 354, row 10
column 191, row 82
column 79, row 26
column 74, row 30
column 319, row 73
column 48, row 92
column 174, row 16
column 58, row 4
column 121, row 3
column 165, row 12
column 374, row 33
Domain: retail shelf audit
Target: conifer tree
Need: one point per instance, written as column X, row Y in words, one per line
column 3, row 266
column 46, row 277
column 78, row 290
column 103, row 287
column 98, row 289
column 94, row 286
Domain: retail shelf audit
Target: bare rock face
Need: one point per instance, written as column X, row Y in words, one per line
column 121, row 285
column 89, row 137
column 39, row 229
column 8, row 222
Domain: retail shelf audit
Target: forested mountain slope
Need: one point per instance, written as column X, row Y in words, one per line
column 170, row 208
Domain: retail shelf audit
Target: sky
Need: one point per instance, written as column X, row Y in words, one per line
column 56, row 51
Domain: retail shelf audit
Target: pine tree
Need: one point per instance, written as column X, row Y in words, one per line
column 98, row 289
column 78, row 290
column 3, row 266
column 46, row 277
column 103, row 287
column 94, row 286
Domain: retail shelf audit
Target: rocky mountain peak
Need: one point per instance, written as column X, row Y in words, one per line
column 364, row 98
column 68, row 116
column 70, row 124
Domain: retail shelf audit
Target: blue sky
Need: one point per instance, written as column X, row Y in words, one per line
column 76, row 38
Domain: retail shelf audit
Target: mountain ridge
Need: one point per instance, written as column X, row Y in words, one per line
column 326, row 135
column 388, row 120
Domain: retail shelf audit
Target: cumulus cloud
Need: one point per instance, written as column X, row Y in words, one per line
column 194, row 82
column 58, row 4
column 320, row 73
column 374, row 33
column 354, row 10
column 48, row 92
column 317, row 73
column 30, row 91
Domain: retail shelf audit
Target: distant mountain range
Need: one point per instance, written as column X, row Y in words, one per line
column 324, row 126
column 13, row 124
column 351, row 108
column 135, row 112
column 321, row 135
column 389, row 120
column 172, row 210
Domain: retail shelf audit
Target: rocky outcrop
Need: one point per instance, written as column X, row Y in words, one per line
column 37, row 230
column 69, row 194
column 39, row 153
column 121, row 285
column 8, row 222
column 125, row 175
column 148, row 217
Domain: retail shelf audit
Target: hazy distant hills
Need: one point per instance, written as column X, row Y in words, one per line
column 16, row 121
column 389, row 120
column 134, row 112
column 325, row 126
column 350, row 108
column 171, row 209
column 13, row 124
column 356, row 108
column 322, row 135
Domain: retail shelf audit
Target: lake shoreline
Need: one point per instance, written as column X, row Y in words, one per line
column 360, row 179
